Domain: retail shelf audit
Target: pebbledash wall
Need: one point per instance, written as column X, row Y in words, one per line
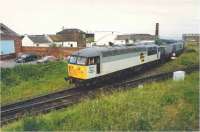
column 59, row 52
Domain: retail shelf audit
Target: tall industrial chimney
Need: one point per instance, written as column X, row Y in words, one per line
column 157, row 34
column 157, row 30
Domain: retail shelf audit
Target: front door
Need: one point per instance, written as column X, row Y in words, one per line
column 98, row 65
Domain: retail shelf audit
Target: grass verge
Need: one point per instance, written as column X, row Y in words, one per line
column 166, row 105
column 27, row 81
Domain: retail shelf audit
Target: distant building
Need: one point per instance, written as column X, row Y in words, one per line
column 104, row 37
column 89, row 39
column 10, row 42
column 62, row 41
column 191, row 38
column 74, row 35
column 36, row 41
column 133, row 38
column 64, row 38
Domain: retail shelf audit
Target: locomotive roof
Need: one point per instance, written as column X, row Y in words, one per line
column 110, row 50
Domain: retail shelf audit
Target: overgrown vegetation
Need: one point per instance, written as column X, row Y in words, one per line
column 27, row 81
column 167, row 105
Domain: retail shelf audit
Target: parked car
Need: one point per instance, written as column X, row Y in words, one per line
column 26, row 58
column 66, row 58
column 47, row 59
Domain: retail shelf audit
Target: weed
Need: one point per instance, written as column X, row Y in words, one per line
column 26, row 81
column 168, row 99
column 158, row 106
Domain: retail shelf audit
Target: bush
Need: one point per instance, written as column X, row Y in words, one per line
column 30, row 72
column 28, row 80
column 37, row 124
column 142, row 124
column 31, row 124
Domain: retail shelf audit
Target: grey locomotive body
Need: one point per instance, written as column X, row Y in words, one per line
column 101, row 62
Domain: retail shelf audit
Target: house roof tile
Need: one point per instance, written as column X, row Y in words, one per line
column 64, row 31
column 39, row 38
column 134, row 36
column 60, row 38
column 7, row 31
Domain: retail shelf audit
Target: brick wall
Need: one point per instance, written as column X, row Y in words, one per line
column 55, row 51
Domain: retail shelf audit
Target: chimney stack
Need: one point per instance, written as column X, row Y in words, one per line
column 157, row 30
column 157, row 34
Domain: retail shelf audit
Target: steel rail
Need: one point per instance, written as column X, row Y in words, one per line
column 71, row 96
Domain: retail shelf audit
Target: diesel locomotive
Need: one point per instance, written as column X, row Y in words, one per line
column 97, row 63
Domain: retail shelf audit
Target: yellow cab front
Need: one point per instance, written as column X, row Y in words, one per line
column 77, row 71
column 77, row 67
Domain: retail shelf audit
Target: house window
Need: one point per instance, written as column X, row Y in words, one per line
column 37, row 45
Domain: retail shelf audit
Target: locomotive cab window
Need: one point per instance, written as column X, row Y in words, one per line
column 72, row 59
column 94, row 61
column 91, row 61
column 81, row 60
column 77, row 60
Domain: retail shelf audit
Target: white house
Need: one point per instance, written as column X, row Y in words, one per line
column 133, row 38
column 36, row 41
column 62, row 41
column 104, row 37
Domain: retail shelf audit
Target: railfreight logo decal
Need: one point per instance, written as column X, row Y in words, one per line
column 142, row 57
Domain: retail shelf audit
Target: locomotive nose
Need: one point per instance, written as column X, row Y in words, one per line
column 77, row 71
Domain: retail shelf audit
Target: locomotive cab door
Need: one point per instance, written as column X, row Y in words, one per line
column 98, row 64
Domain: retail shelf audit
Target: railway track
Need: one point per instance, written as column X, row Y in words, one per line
column 71, row 96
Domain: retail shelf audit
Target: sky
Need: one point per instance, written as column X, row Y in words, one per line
column 123, row 16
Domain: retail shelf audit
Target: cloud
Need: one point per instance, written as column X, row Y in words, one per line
column 48, row 16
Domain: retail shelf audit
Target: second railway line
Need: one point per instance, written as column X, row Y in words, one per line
column 68, row 97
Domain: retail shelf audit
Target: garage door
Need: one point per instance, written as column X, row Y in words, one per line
column 7, row 47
